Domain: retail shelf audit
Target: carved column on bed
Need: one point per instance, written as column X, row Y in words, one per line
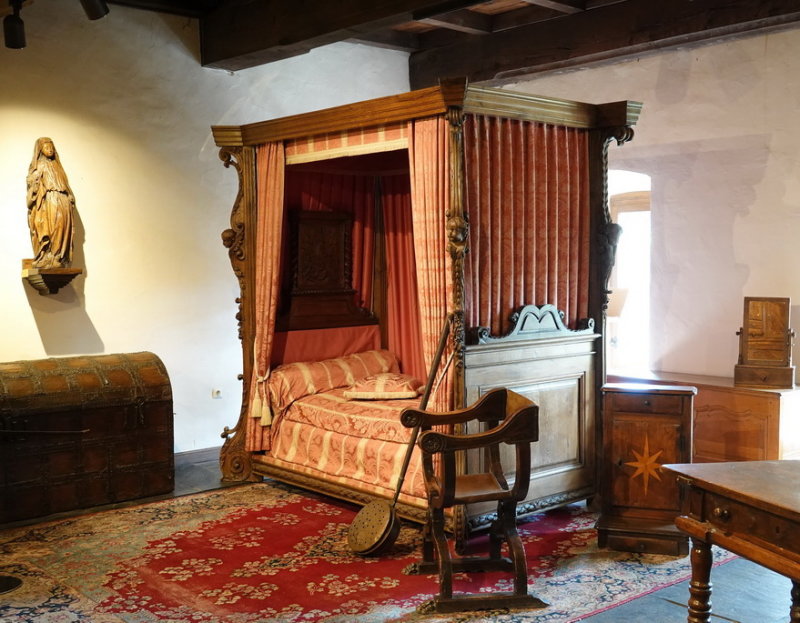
column 605, row 233
column 457, row 236
column 235, row 462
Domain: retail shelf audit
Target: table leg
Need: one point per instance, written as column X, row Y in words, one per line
column 795, row 611
column 700, row 584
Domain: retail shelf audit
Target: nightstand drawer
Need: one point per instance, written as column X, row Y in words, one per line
column 645, row 403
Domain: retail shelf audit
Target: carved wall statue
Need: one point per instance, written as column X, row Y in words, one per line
column 50, row 208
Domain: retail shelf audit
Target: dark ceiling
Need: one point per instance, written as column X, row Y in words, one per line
column 484, row 41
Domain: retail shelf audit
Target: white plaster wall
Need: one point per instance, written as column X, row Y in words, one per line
column 129, row 109
column 720, row 138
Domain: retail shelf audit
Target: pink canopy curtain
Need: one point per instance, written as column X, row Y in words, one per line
column 354, row 194
column 268, row 234
column 527, row 200
column 430, row 197
column 404, row 332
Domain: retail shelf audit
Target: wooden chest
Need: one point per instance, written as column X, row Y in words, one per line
column 644, row 427
column 77, row 432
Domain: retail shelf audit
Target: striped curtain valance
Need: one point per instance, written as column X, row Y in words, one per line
column 355, row 142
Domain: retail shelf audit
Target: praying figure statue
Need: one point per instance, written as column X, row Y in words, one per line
column 50, row 208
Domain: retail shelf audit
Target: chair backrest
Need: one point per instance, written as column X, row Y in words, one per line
column 510, row 419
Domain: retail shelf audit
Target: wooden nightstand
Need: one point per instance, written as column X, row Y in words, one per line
column 734, row 423
column 644, row 427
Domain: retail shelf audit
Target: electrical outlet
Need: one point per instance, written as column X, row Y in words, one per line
column 216, row 394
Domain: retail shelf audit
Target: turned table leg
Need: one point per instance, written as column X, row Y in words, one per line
column 700, row 584
column 795, row 611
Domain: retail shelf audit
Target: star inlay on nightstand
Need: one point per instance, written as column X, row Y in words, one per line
column 646, row 465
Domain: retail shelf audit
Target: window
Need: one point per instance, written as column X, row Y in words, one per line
column 628, row 323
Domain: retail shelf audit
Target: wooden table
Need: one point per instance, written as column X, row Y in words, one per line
column 749, row 508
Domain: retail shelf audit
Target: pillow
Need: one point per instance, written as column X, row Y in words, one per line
column 293, row 381
column 386, row 386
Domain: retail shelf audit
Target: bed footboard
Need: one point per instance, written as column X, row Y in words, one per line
column 556, row 368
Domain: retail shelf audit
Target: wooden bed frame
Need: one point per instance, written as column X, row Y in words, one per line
column 560, row 369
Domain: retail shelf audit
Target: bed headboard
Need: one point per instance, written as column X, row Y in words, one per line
column 319, row 344
column 531, row 322
column 317, row 291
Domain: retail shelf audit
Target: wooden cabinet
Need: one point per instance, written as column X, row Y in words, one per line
column 644, row 427
column 734, row 423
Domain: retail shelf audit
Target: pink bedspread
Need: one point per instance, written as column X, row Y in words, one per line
column 331, row 411
column 359, row 443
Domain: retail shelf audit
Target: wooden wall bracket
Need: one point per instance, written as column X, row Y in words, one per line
column 48, row 280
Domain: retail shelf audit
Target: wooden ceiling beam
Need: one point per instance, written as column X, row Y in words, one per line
column 391, row 40
column 186, row 8
column 594, row 4
column 462, row 21
column 520, row 17
column 237, row 35
column 440, row 37
column 562, row 6
column 609, row 32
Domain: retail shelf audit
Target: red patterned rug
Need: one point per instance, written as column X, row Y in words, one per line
column 267, row 552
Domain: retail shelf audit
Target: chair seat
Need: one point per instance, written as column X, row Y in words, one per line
column 483, row 487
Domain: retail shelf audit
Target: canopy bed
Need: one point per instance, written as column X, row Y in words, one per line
column 357, row 229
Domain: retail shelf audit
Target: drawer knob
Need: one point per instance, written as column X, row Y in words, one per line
column 722, row 514
column 646, row 403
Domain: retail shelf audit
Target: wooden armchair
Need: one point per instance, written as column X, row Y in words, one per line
column 508, row 418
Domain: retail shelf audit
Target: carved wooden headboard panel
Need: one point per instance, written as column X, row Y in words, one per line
column 317, row 289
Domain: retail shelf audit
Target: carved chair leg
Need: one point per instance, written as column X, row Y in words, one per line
column 443, row 553
column 516, row 551
column 427, row 541
column 428, row 563
column 496, row 535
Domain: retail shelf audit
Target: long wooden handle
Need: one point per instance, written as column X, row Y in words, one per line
column 437, row 361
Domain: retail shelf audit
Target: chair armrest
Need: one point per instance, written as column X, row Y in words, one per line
column 521, row 426
column 492, row 406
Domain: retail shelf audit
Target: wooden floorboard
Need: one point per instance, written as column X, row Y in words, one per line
column 742, row 592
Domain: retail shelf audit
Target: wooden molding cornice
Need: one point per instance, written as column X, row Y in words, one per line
column 383, row 110
column 429, row 102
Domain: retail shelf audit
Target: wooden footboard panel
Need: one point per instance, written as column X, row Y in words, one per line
column 558, row 374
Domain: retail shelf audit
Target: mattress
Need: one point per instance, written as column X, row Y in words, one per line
column 357, row 443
